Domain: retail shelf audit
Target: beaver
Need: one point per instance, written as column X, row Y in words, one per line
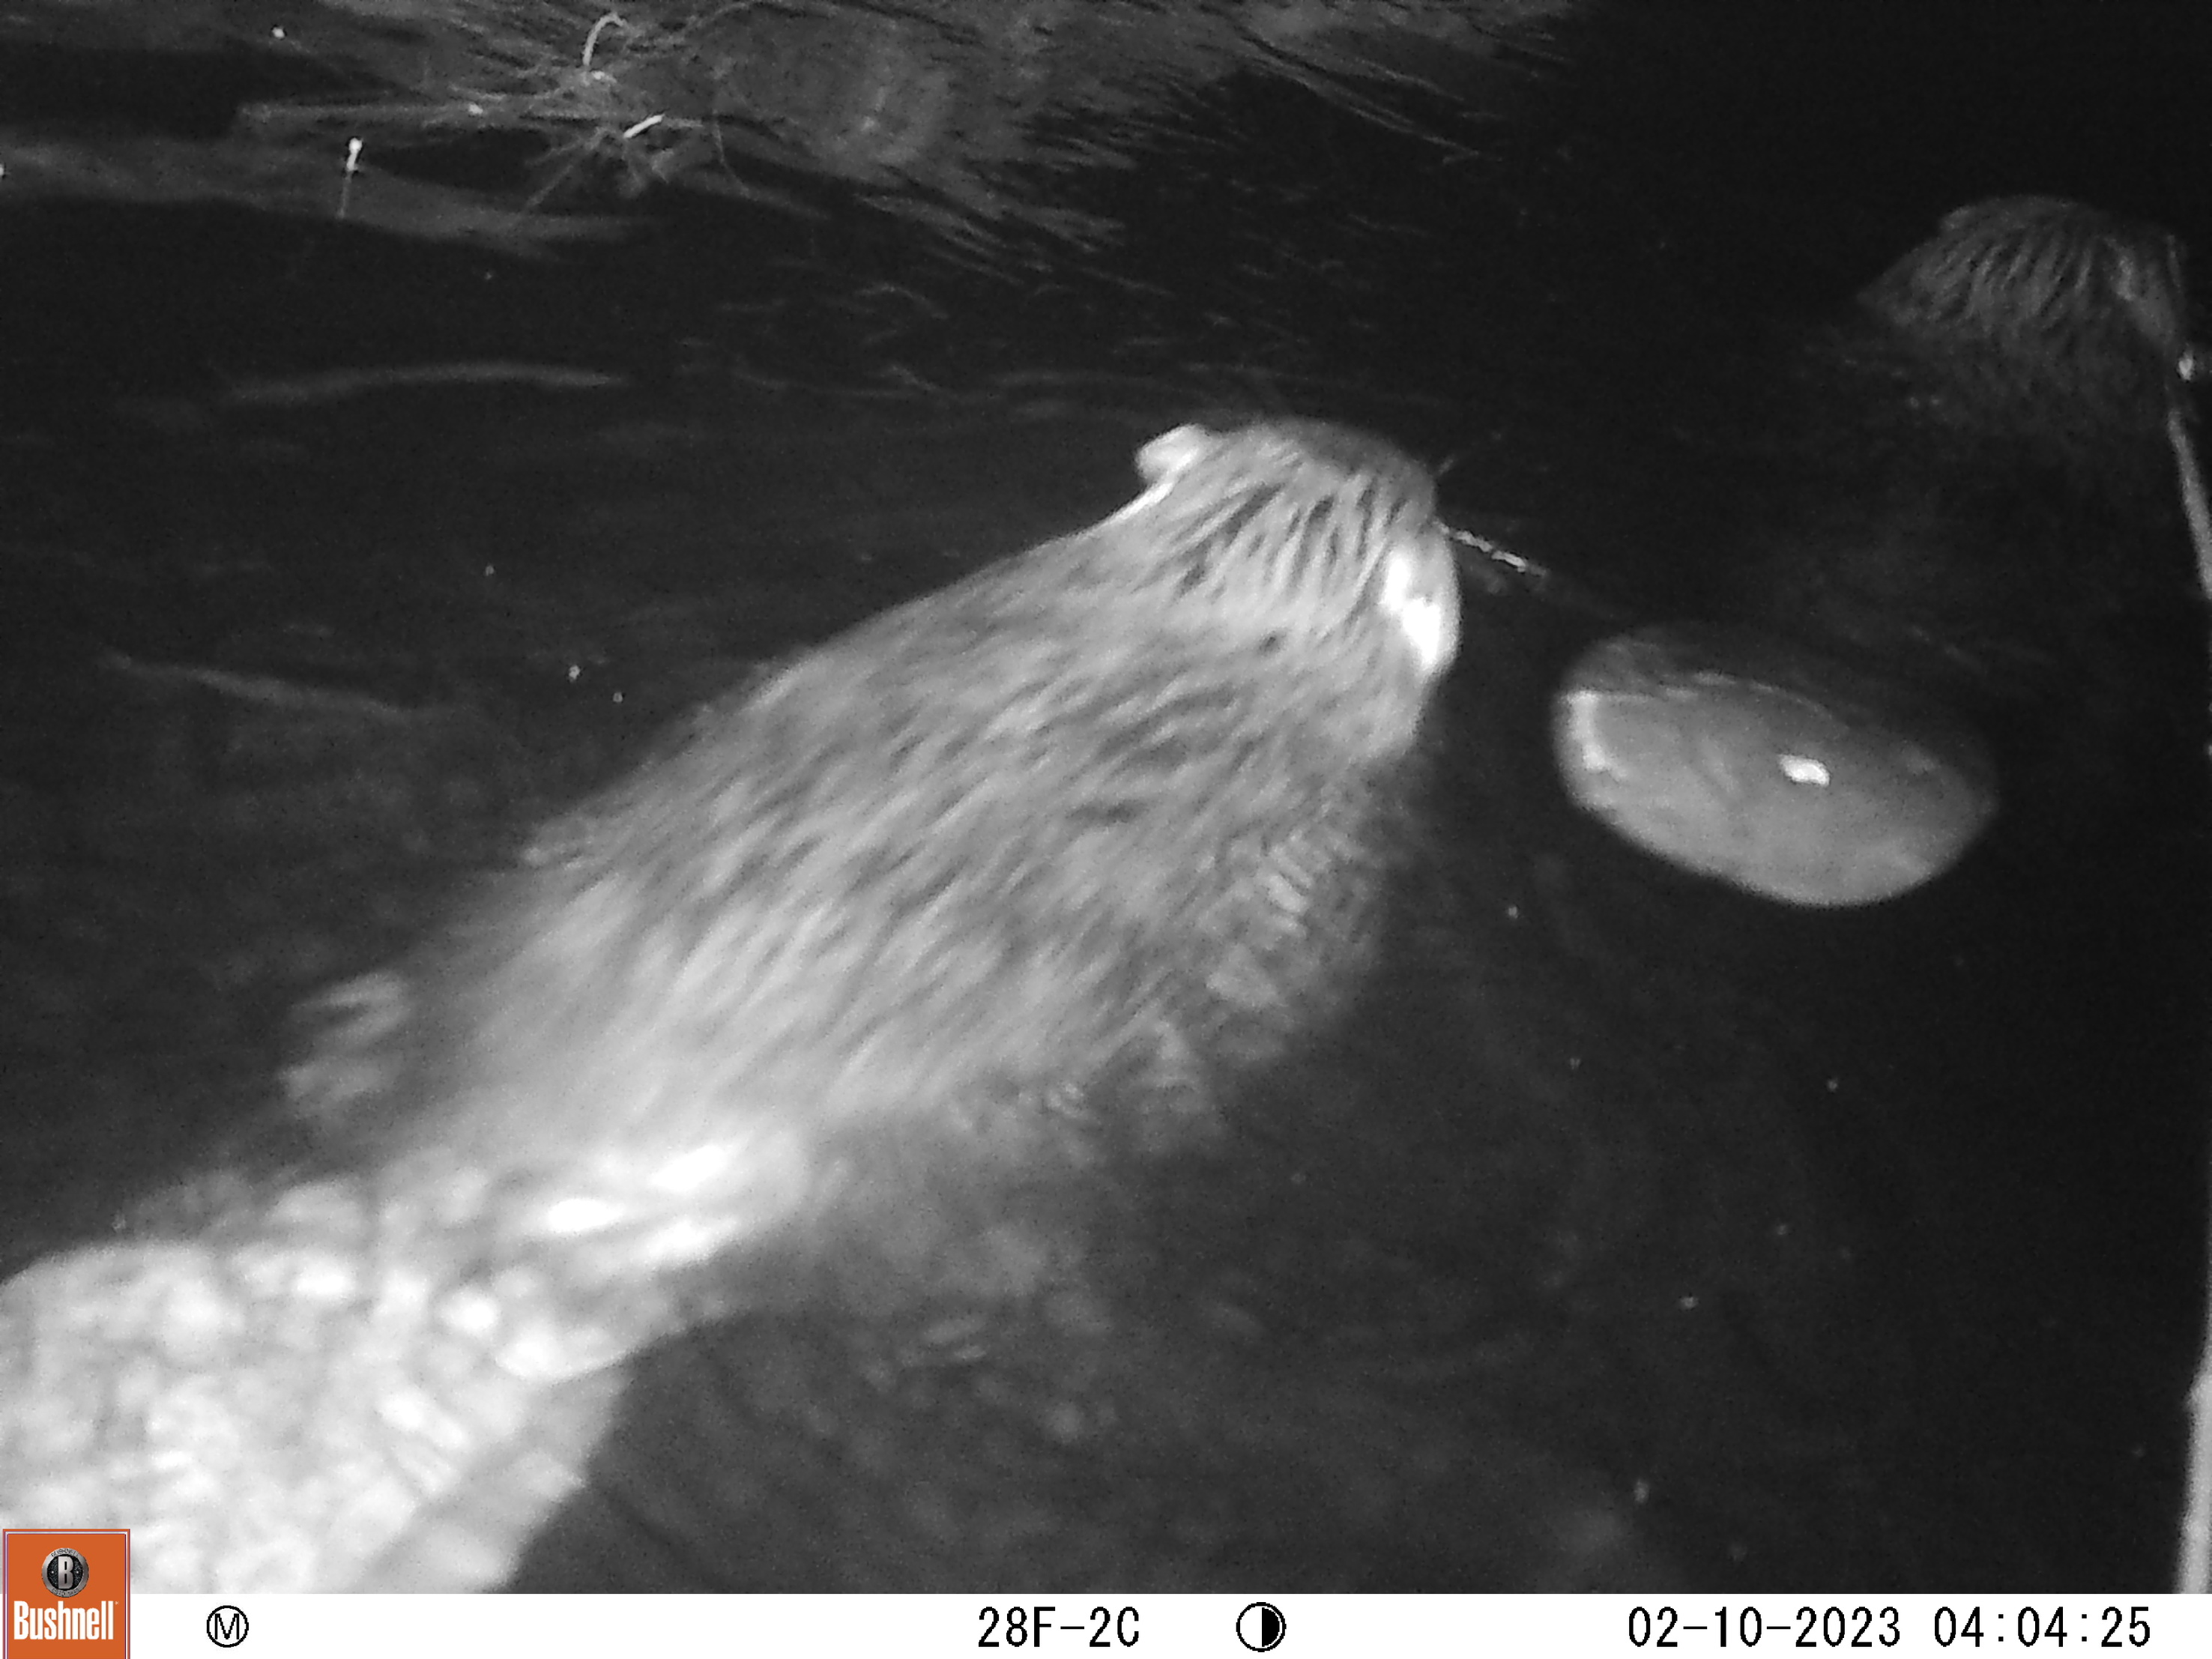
column 2046, row 317
column 1981, row 494
column 986, row 887
column 1089, row 823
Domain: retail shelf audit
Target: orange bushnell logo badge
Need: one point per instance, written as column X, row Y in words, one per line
column 67, row 1595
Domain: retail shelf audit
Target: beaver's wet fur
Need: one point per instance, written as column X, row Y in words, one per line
column 2044, row 320
column 1006, row 876
column 1976, row 494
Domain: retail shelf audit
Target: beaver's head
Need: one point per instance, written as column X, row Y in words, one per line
column 1292, row 536
column 2047, row 302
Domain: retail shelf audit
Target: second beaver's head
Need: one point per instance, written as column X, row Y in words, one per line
column 2058, row 314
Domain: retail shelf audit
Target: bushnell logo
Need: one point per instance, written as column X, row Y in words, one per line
column 65, row 1573
column 47, row 1576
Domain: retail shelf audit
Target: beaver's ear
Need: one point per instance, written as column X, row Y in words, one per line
column 1173, row 453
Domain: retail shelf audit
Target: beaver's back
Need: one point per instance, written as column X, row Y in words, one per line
column 1100, row 820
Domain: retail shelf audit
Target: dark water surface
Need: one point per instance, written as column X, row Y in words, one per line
column 1637, row 1232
